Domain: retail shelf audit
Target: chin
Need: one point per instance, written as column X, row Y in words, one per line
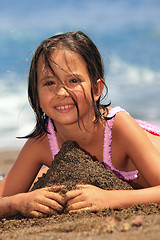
column 66, row 122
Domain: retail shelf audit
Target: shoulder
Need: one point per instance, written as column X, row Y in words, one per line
column 129, row 136
column 37, row 149
column 126, row 132
column 124, row 124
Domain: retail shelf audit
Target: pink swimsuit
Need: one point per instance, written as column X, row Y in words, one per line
column 126, row 176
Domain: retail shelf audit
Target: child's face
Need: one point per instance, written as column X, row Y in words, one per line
column 54, row 100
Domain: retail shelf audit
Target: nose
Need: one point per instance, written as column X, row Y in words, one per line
column 62, row 92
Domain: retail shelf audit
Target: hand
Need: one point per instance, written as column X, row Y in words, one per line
column 88, row 197
column 41, row 202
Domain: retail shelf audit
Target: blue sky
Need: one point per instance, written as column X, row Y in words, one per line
column 33, row 15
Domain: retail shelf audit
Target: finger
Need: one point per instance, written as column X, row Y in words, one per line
column 72, row 194
column 49, row 200
column 56, row 197
column 37, row 214
column 54, row 205
column 80, row 186
column 83, row 210
column 77, row 199
column 46, row 209
column 55, row 188
column 79, row 206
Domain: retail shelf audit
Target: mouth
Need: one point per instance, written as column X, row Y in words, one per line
column 64, row 108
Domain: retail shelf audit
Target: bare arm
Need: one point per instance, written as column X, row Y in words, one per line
column 38, row 203
column 88, row 197
column 13, row 189
column 135, row 144
column 23, row 172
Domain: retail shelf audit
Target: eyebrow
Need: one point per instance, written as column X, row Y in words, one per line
column 47, row 77
column 74, row 74
column 53, row 77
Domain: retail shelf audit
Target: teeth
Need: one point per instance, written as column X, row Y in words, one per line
column 64, row 107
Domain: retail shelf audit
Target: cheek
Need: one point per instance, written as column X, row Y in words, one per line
column 43, row 99
column 40, row 98
column 82, row 96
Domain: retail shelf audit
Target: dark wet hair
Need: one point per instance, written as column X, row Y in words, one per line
column 79, row 43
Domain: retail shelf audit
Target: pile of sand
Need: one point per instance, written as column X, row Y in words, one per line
column 73, row 166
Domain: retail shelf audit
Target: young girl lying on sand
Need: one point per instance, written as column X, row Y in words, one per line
column 65, row 87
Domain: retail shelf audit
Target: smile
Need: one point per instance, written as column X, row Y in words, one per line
column 64, row 107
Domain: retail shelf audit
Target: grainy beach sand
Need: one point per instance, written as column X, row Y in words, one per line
column 138, row 222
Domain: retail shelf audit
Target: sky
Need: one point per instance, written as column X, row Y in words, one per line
column 22, row 16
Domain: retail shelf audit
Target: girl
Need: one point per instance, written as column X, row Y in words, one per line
column 65, row 87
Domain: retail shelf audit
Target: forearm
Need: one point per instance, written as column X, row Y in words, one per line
column 127, row 198
column 8, row 206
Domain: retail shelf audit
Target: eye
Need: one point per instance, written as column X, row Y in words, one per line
column 75, row 80
column 49, row 83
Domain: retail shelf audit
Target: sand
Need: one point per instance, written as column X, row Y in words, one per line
column 137, row 222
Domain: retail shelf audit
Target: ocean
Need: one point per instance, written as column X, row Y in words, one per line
column 127, row 33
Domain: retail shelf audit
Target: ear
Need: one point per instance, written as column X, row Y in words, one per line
column 98, row 89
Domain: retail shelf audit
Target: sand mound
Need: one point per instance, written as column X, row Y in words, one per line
column 73, row 166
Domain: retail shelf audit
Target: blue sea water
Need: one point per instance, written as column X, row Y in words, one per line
column 127, row 33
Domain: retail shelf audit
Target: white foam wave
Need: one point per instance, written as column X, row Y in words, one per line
column 132, row 74
column 16, row 117
column 134, row 88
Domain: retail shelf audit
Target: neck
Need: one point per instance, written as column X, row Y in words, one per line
column 83, row 135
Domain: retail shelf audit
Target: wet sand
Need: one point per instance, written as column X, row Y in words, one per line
column 137, row 222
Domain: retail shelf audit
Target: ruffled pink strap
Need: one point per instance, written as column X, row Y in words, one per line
column 52, row 139
column 127, row 176
column 149, row 127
